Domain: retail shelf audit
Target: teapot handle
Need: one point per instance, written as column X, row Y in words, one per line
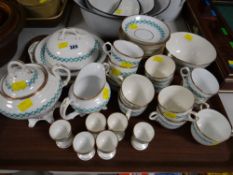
column 57, row 68
column 15, row 64
column 63, row 108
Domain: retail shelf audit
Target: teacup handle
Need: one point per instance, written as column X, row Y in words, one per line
column 107, row 69
column 153, row 115
column 204, row 106
column 63, row 108
column 107, row 51
column 128, row 113
column 185, row 72
column 193, row 117
column 55, row 70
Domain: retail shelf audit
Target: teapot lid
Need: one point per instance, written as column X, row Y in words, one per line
column 23, row 80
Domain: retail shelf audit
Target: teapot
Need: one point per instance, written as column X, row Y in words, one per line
column 31, row 91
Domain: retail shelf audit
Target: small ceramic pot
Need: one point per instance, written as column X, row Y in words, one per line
column 106, row 143
column 31, row 92
column 143, row 134
column 124, row 53
column 160, row 70
column 61, row 132
column 89, row 93
column 117, row 122
column 84, row 145
column 210, row 127
column 164, row 121
column 201, row 82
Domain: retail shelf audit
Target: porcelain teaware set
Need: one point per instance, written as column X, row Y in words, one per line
column 31, row 91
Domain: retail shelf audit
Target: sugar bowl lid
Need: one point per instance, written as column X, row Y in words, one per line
column 70, row 43
column 23, row 80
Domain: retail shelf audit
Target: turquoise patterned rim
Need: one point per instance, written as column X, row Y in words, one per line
column 72, row 59
column 26, row 115
column 90, row 110
column 29, row 83
column 147, row 22
column 135, row 63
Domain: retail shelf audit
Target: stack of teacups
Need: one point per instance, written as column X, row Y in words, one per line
column 201, row 82
column 160, row 70
column 175, row 104
column 124, row 59
column 135, row 94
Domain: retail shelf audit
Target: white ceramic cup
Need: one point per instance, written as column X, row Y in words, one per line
column 60, row 131
column 138, row 91
column 210, row 127
column 84, row 145
column 95, row 123
column 106, row 143
column 124, row 53
column 118, row 122
column 176, row 102
column 143, row 134
column 201, row 82
column 160, row 70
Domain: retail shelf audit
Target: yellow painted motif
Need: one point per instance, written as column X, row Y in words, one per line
column 169, row 115
column 63, row 45
column 25, row 105
column 133, row 26
column 230, row 62
column 115, row 72
column 106, row 93
column 19, row 85
column 118, row 11
column 126, row 64
column 43, row 1
column 159, row 59
column 188, row 37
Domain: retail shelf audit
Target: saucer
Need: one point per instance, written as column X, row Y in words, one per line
column 37, row 53
column 145, row 29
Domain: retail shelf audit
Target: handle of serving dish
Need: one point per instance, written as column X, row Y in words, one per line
column 13, row 65
column 185, row 72
column 63, row 109
column 106, row 50
column 154, row 115
column 69, row 30
column 55, row 71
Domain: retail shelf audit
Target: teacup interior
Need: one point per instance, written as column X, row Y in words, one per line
column 205, row 81
column 160, row 66
column 138, row 90
column 128, row 49
column 90, row 81
column 176, row 99
column 214, row 125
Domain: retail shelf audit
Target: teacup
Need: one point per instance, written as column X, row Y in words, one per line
column 117, row 122
column 89, row 93
column 106, row 143
column 95, row 123
column 137, row 91
column 117, row 73
column 143, row 134
column 210, row 127
column 176, row 103
column 160, row 70
column 201, row 82
column 164, row 121
column 124, row 53
column 61, row 132
column 84, row 145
